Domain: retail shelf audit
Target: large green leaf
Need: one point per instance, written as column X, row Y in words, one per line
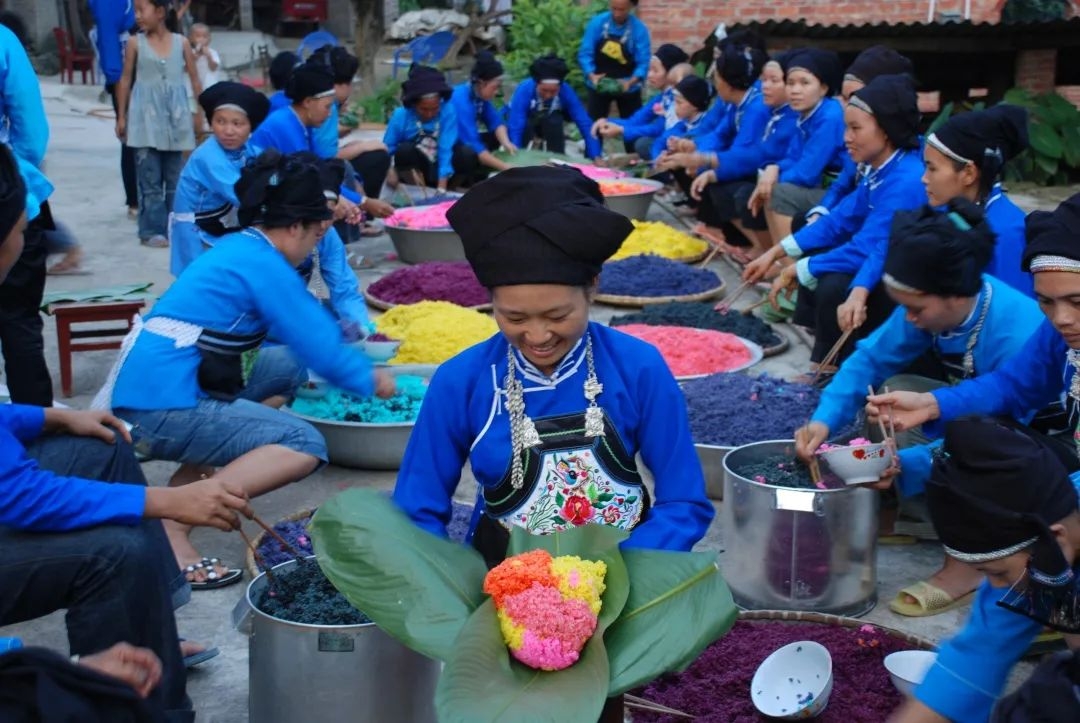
column 678, row 604
column 1057, row 111
column 943, row 116
column 1046, row 141
column 1019, row 96
column 416, row 586
column 1070, row 135
column 481, row 682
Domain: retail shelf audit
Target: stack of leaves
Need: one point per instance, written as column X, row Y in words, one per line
column 547, row 606
column 658, row 610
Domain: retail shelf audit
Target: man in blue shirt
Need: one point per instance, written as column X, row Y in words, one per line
column 94, row 548
column 25, row 130
column 472, row 106
column 114, row 19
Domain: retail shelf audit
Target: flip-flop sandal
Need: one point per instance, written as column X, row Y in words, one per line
column 213, row 579
column 155, row 242
column 929, row 600
column 190, row 661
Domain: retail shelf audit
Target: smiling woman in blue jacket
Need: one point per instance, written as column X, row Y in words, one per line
column 882, row 132
column 796, row 183
column 541, row 106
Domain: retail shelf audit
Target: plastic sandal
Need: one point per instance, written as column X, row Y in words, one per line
column 213, row 579
column 929, row 600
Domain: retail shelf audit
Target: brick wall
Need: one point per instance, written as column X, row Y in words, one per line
column 688, row 22
column 1035, row 69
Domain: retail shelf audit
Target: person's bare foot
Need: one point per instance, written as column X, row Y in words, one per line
column 954, row 578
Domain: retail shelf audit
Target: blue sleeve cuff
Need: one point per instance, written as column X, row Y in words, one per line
column 9, row 644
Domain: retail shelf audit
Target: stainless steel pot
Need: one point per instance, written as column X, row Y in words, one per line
column 414, row 245
column 796, row 549
column 634, row 205
column 712, row 457
column 332, row 673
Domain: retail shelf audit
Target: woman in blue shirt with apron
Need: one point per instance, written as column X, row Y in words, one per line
column 614, row 56
column 551, row 412
column 422, row 133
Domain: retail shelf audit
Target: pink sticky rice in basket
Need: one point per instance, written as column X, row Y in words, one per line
column 428, row 218
column 690, row 352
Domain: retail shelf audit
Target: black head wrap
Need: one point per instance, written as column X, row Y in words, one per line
column 987, row 138
column 537, row 225
column 740, row 65
column 746, row 36
column 343, row 64
column 12, row 192
column 549, row 67
column 996, row 489
column 313, row 79
column 822, row 64
column 424, row 80
column 696, row 90
column 281, row 68
column 783, row 58
column 670, row 55
column 279, row 190
column 937, row 253
column 486, row 66
column 1053, row 238
column 228, row 93
column 878, row 60
column 891, row 99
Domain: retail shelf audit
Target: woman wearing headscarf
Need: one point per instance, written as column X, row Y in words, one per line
column 952, row 322
column 965, row 158
column 541, row 106
column 279, row 72
column 182, row 376
column 551, row 412
column 795, row 183
column 614, row 56
column 206, row 203
column 473, row 106
column 657, row 114
column 869, row 64
column 725, row 189
column 422, row 133
column 1005, row 504
column 1041, row 373
column 837, row 256
column 693, row 96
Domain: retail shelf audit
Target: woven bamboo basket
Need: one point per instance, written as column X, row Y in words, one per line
column 381, row 305
column 639, row 301
column 257, row 540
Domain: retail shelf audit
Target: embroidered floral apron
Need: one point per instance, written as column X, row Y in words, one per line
column 570, row 480
column 612, row 56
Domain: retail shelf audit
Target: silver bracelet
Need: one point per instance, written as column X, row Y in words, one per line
column 75, row 659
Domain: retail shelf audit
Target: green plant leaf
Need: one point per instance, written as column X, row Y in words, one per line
column 1070, row 136
column 678, row 605
column 1046, row 164
column 483, row 683
column 416, row 586
column 944, row 115
column 1019, row 96
column 1057, row 111
column 1046, row 141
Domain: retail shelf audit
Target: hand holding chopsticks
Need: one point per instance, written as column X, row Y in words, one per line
column 724, row 306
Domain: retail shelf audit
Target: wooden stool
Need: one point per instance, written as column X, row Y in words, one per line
column 100, row 337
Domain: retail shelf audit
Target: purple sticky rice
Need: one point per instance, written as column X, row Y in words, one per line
column 716, row 687
column 650, row 275
column 452, row 281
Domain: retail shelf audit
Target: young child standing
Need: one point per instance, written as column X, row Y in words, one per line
column 153, row 114
column 207, row 65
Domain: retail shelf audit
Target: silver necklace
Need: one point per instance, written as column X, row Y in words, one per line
column 969, row 352
column 523, row 433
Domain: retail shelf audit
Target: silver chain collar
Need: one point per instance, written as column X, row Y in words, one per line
column 523, row 432
column 973, row 337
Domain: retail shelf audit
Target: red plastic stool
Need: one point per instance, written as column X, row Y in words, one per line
column 97, row 338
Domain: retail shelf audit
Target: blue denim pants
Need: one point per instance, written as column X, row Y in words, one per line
column 157, row 173
column 118, row 583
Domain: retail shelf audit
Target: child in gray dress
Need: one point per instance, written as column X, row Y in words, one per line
column 154, row 115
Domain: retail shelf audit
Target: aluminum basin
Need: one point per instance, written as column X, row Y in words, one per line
column 416, row 245
column 634, row 205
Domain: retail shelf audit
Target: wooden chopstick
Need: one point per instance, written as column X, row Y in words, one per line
column 260, row 562
column 880, row 421
column 892, row 426
column 831, row 356
column 724, row 306
column 750, row 309
column 633, row 701
column 280, row 540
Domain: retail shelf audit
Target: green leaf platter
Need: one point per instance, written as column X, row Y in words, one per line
column 660, row 610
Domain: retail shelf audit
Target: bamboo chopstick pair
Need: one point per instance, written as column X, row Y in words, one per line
column 259, row 561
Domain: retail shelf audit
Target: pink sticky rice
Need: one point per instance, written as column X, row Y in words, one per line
column 691, row 352
column 597, row 173
column 857, row 442
column 422, row 217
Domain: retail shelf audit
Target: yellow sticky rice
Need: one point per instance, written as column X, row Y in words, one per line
column 654, row 237
column 433, row 331
column 513, row 633
column 580, row 579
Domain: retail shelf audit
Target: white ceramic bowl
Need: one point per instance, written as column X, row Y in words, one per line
column 907, row 668
column 859, row 465
column 794, row 682
column 380, row 351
